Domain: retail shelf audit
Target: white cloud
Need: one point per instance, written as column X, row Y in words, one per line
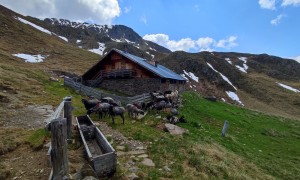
column 297, row 59
column 277, row 20
column 162, row 39
column 267, row 4
column 290, row 3
column 227, row 43
column 144, row 19
column 101, row 11
column 188, row 44
column 205, row 42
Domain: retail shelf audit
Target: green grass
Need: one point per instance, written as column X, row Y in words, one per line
column 256, row 145
column 37, row 138
column 268, row 141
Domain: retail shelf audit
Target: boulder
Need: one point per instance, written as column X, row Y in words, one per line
column 175, row 130
column 148, row 162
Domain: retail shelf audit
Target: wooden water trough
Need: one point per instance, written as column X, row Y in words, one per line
column 100, row 153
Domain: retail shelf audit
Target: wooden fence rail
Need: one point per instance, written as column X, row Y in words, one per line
column 60, row 127
column 99, row 94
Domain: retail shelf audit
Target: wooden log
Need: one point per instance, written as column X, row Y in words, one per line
column 226, row 124
column 58, row 153
column 68, row 116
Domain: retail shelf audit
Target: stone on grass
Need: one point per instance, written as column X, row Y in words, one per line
column 132, row 176
column 148, row 162
column 175, row 130
column 133, row 169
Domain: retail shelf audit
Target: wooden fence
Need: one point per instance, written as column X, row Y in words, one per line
column 60, row 126
column 89, row 91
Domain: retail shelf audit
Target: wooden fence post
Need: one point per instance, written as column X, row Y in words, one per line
column 59, row 157
column 68, row 116
column 226, row 124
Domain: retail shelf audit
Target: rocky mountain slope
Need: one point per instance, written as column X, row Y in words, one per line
column 100, row 38
column 261, row 82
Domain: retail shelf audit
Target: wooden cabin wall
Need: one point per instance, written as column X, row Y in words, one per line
column 117, row 62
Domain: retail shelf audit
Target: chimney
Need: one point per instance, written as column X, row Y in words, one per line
column 155, row 63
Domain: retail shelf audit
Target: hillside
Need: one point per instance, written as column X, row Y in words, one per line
column 254, row 79
column 258, row 145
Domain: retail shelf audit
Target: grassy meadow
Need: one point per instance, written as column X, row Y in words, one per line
column 256, row 146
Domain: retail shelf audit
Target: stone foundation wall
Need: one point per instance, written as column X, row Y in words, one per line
column 131, row 87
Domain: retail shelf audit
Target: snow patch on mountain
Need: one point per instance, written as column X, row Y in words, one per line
column 78, row 41
column 99, row 50
column 234, row 97
column 34, row 25
column 64, row 38
column 31, row 58
column 116, row 40
column 183, row 75
column 228, row 60
column 245, row 66
column 224, row 77
column 129, row 41
column 288, row 87
column 191, row 75
column 150, row 54
column 152, row 49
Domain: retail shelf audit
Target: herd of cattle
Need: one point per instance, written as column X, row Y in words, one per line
column 159, row 101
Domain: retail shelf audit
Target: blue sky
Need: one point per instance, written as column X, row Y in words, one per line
column 247, row 21
column 250, row 26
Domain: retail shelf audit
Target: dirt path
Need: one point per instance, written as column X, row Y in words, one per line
column 24, row 163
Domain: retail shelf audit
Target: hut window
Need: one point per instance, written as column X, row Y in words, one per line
column 163, row 80
column 172, row 81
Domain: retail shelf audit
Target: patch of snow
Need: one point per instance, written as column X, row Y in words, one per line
column 150, row 54
column 129, row 41
column 78, row 41
column 228, row 60
column 245, row 66
column 116, row 40
column 241, row 69
column 31, row 58
column 243, row 59
column 34, row 25
column 223, row 99
column 288, row 87
column 80, row 46
column 152, row 49
column 136, row 46
column 64, row 38
column 234, row 97
column 191, row 75
column 100, row 50
column 224, row 77
column 183, row 75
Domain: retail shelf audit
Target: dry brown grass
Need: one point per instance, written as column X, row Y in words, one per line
column 222, row 163
column 276, row 100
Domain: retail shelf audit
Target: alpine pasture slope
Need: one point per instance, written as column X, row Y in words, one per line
column 258, row 144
